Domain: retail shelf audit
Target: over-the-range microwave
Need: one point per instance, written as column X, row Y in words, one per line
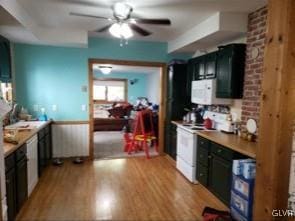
column 204, row 92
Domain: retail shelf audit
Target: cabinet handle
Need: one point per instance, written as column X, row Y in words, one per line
column 219, row 150
column 200, row 174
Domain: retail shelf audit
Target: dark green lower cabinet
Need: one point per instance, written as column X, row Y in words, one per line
column 171, row 140
column 220, row 177
column 41, row 156
column 202, row 174
column 44, row 149
column 48, row 149
column 21, row 182
column 11, row 194
column 16, row 181
column 214, row 167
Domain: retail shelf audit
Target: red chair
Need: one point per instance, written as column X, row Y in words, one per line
column 143, row 132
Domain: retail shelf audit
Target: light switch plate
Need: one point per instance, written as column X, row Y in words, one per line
column 54, row 107
column 84, row 88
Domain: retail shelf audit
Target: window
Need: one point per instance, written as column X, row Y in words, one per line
column 6, row 89
column 109, row 90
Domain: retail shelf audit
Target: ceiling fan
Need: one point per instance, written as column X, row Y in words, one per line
column 123, row 24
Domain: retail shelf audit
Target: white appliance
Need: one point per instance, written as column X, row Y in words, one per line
column 204, row 92
column 186, row 153
column 32, row 155
column 220, row 121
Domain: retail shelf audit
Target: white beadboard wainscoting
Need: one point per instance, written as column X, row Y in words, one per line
column 70, row 140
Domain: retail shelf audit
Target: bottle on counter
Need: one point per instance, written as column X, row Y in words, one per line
column 43, row 116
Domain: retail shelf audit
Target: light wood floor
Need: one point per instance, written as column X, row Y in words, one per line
column 119, row 189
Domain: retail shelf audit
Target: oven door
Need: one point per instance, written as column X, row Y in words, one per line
column 186, row 146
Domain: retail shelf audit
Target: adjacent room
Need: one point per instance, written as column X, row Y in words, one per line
column 119, row 93
column 147, row 110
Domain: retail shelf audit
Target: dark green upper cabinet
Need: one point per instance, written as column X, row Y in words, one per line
column 230, row 68
column 203, row 67
column 210, row 65
column 5, row 60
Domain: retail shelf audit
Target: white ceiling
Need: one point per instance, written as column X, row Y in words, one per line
column 53, row 17
column 130, row 69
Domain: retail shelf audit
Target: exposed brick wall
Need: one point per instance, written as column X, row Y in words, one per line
column 254, row 66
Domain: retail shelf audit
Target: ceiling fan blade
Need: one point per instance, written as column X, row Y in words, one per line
column 104, row 28
column 160, row 21
column 139, row 30
column 84, row 3
column 89, row 16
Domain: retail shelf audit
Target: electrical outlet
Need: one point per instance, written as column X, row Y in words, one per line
column 36, row 107
column 83, row 107
column 54, row 107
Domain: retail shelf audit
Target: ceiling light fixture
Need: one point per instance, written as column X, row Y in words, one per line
column 122, row 10
column 105, row 69
column 122, row 31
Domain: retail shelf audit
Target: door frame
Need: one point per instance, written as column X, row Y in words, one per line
column 162, row 103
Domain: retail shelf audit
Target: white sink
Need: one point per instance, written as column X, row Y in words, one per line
column 22, row 125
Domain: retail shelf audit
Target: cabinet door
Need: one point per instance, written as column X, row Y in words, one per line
column 220, row 177
column 210, row 65
column 48, row 151
column 224, row 73
column 202, row 174
column 5, row 70
column 199, row 68
column 11, row 194
column 41, row 156
column 21, row 183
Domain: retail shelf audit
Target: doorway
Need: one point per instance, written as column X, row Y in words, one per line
column 115, row 90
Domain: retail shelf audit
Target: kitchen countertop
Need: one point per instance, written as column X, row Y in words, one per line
column 24, row 136
column 230, row 141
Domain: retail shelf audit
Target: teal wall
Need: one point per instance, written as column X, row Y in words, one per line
column 48, row 75
column 139, row 89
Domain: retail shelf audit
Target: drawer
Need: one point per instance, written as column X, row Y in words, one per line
column 21, row 152
column 202, row 156
column 9, row 162
column 222, row 151
column 203, row 142
column 202, row 174
column 187, row 170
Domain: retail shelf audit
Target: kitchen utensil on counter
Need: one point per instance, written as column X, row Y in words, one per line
column 43, row 116
column 251, row 126
column 208, row 123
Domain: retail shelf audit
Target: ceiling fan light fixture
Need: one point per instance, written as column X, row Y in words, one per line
column 121, row 30
column 105, row 69
column 122, row 10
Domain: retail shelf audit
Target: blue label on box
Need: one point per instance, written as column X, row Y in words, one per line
column 243, row 187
